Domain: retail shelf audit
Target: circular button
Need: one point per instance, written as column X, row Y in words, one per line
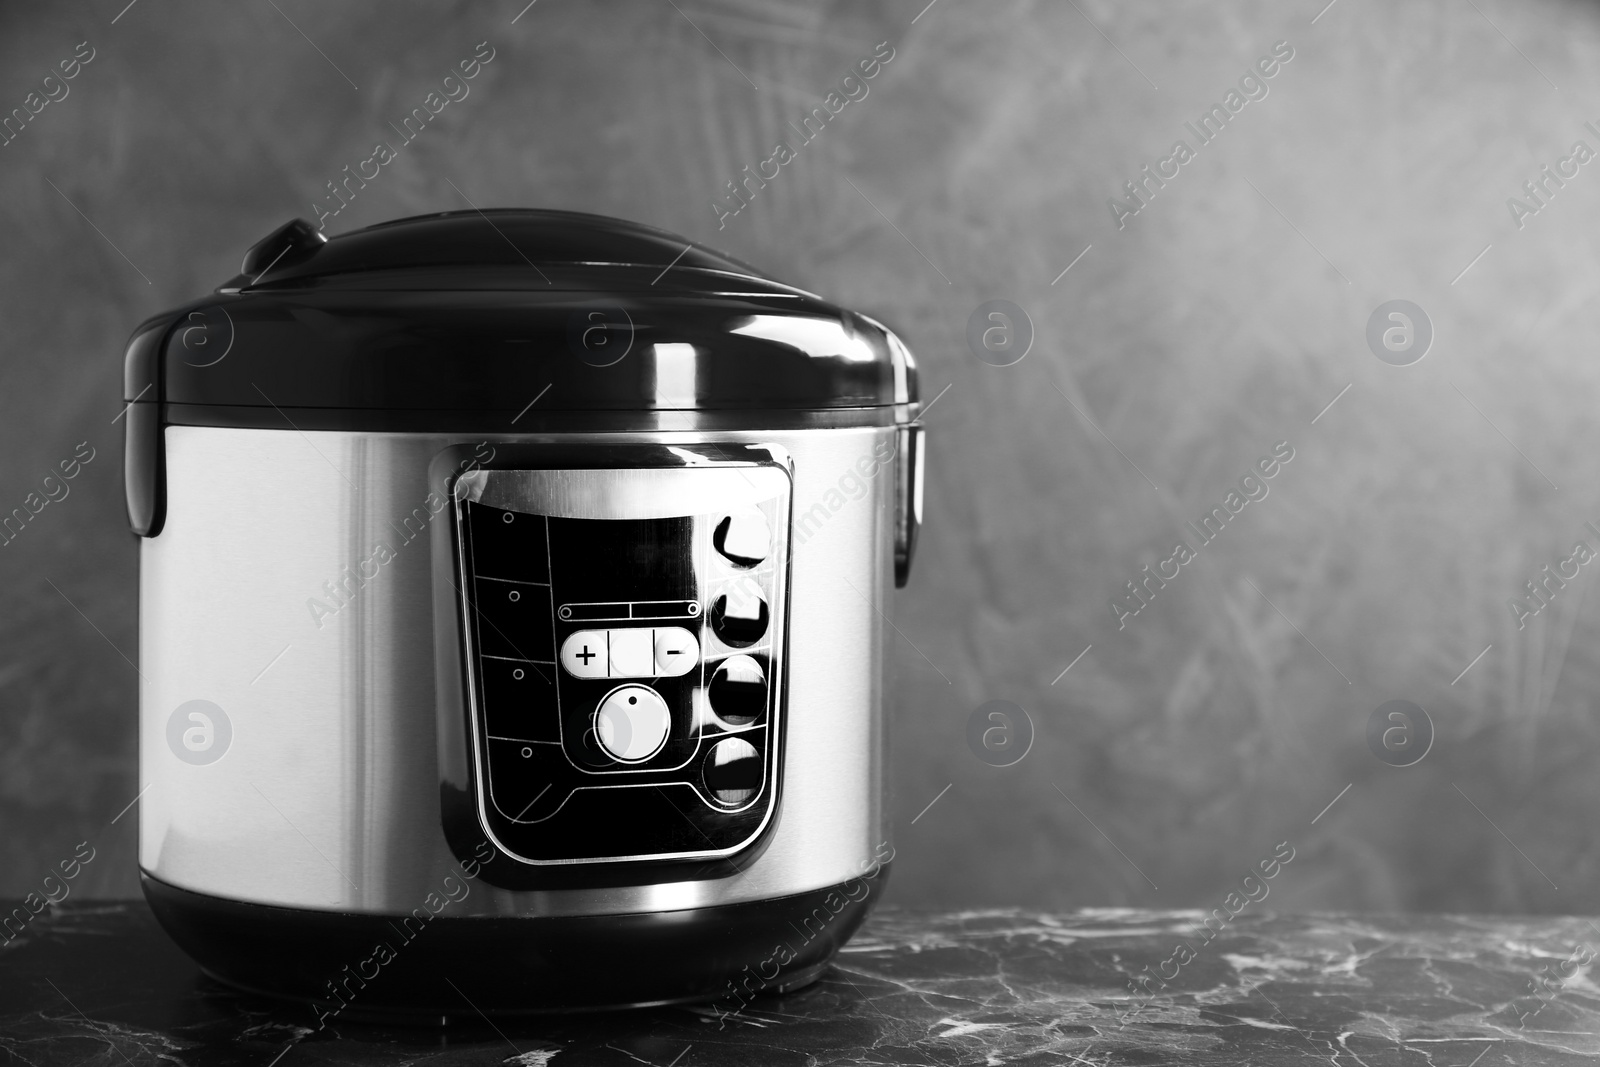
column 738, row 691
column 732, row 771
column 740, row 620
column 632, row 723
column 744, row 539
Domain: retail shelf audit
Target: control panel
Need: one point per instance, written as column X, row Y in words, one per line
column 624, row 641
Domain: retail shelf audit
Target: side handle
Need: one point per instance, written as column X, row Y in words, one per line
column 143, row 461
column 909, row 464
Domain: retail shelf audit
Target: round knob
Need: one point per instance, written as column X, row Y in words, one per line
column 738, row 691
column 632, row 723
column 732, row 771
column 740, row 619
column 744, row 539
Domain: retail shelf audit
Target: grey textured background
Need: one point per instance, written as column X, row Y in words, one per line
column 1221, row 320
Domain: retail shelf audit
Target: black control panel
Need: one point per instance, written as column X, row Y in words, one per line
column 625, row 677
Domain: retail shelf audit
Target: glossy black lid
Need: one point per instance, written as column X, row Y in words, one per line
column 462, row 320
column 468, row 249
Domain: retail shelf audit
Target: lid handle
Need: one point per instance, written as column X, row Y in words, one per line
column 293, row 242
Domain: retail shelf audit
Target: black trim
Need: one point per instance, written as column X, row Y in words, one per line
column 505, row 965
column 499, row 349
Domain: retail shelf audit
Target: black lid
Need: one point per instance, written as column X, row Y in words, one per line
column 458, row 321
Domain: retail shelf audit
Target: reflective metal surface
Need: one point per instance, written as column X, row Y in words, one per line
column 292, row 588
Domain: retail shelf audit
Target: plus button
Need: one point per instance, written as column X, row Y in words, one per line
column 585, row 654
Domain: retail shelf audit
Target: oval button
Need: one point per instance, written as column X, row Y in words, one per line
column 743, row 539
column 732, row 771
column 586, row 654
column 676, row 651
column 738, row 691
column 632, row 723
column 739, row 620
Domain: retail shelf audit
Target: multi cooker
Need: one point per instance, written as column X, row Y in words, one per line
column 513, row 593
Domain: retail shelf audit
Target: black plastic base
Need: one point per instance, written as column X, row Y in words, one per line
column 358, row 967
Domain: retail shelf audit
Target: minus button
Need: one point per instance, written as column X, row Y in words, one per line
column 677, row 651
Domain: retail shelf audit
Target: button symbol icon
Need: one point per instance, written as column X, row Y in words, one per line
column 743, row 539
column 676, row 651
column 738, row 691
column 739, row 617
column 732, row 771
column 585, row 655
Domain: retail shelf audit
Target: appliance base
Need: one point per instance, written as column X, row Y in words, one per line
column 356, row 967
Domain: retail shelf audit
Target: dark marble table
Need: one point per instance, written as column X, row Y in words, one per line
column 101, row 984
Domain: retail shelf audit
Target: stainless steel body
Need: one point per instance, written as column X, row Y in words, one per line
column 267, row 594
